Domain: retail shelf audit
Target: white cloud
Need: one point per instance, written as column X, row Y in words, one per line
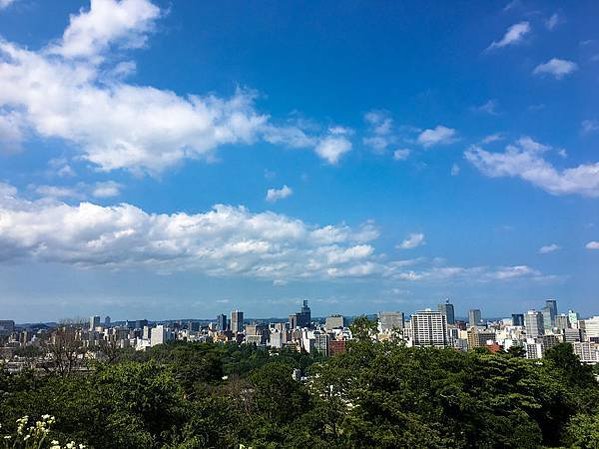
column 273, row 195
column 592, row 245
column 11, row 132
column 553, row 21
column 107, row 189
column 492, row 138
column 5, row 3
column 514, row 35
column 490, row 107
column 401, row 154
column 380, row 129
column 226, row 240
column 589, row 126
column 57, row 192
column 551, row 248
column 412, row 241
column 455, row 170
column 70, row 91
column 332, row 147
column 556, row 67
column 107, row 22
column 440, row 135
column 524, row 159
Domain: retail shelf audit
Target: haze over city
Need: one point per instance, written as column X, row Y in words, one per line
column 173, row 160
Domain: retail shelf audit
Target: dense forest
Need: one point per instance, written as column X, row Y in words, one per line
column 376, row 395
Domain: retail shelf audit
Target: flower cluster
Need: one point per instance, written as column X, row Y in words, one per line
column 34, row 436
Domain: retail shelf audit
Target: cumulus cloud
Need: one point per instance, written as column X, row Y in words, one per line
column 524, row 159
column 440, row 135
column 273, row 195
column 226, row 240
column 124, row 23
column 69, row 90
column 592, row 245
column 107, row 189
column 332, row 147
column 556, row 67
column 401, row 154
column 551, row 248
column 514, row 35
column 380, row 130
column 412, row 241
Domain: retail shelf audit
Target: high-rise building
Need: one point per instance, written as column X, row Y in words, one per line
column 304, row 317
column 446, row 309
column 94, row 321
column 293, row 321
column 574, row 317
column 334, row 322
column 321, row 343
column 552, row 305
column 548, row 319
column 517, row 319
column 562, row 321
column 221, row 322
column 533, row 321
column 591, row 327
column 478, row 338
column 107, row 321
column 236, row 321
column 389, row 321
column 474, row 317
column 140, row 324
column 429, row 328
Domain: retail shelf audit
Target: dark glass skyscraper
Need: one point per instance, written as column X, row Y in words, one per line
column 221, row 322
column 304, row 317
column 446, row 309
column 517, row 319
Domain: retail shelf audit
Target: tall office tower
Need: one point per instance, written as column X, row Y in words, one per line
column 391, row 320
column 562, row 321
column 446, row 309
column 548, row 319
column 107, row 321
column 304, row 317
column 574, row 317
column 334, row 322
column 474, row 317
column 552, row 305
column 533, row 321
column 429, row 328
column 94, row 321
column 236, row 321
column 221, row 322
column 517, row 319
column 293, row 321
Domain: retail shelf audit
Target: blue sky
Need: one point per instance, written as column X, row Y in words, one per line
column 181, row 159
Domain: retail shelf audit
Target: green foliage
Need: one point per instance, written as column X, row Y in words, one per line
column 376, row 395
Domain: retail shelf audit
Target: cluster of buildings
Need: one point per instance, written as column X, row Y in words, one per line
column 531, row 333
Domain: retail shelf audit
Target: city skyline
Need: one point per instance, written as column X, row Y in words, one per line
column 167, row 160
